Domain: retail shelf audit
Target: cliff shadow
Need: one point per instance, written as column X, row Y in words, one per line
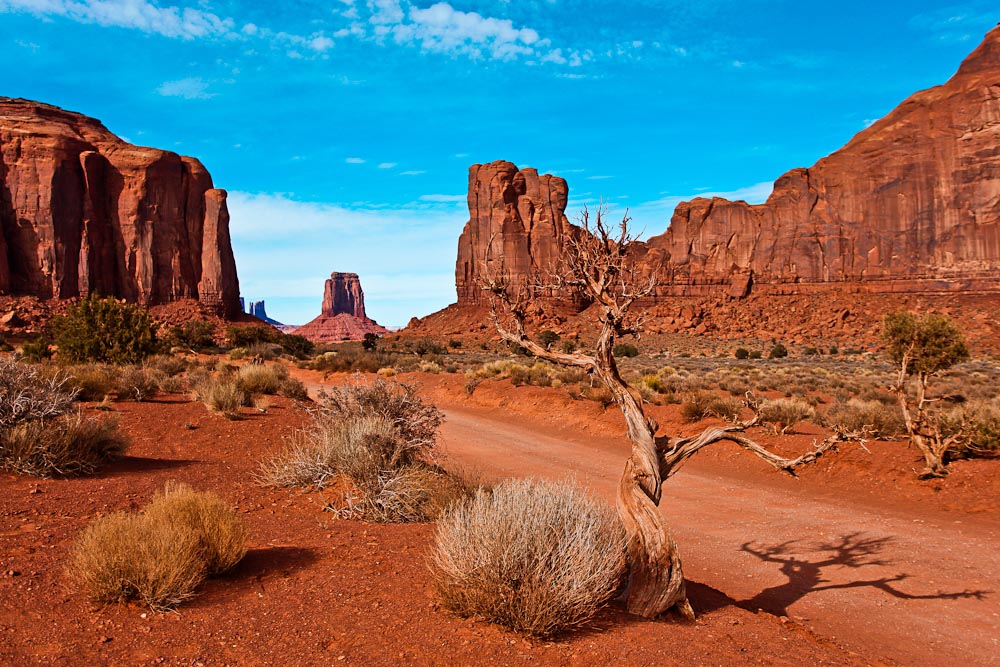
column 805, row 575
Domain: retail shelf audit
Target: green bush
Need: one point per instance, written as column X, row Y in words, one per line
column 547, row 338
column 625, row 350
column 194, row 335
column 742, row 353
column 104, row 330
column 755, row 354
column 370, row 342
column 779, row 351
column 298, row 346
column 37, row 350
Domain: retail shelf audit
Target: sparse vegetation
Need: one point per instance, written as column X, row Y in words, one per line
column 922, row 347
column 703, row 404
column 784, row 413
column 38, row 434
column 159, row 555
column 378, row 438
column 779, row 351
column 222, row 394
column 536, row 557
column 104, row 330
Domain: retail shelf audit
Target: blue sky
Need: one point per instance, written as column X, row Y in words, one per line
column 344, row 129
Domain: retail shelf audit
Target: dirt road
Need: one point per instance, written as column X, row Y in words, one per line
column 909, row 585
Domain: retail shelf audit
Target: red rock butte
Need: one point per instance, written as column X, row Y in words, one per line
column 343, row 316
column 910, row 204
column 83, row 211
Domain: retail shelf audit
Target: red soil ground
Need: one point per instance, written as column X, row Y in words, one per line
column 318, row 591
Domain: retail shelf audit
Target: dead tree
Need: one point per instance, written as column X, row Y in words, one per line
column 599, row 262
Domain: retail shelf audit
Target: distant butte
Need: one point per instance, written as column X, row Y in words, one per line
column 343, row 316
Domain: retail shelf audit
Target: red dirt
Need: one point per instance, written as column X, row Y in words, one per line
column 315, row 590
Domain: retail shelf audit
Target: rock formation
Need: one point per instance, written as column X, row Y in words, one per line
column 258, row 310
column 911, row 203
column 343, row 295
column 343, row 316
column 517, row 219
column 82, row 211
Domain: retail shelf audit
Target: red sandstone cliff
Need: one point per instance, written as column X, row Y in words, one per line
column 343, row 316
column 522, row 213
column 83, row 211
column 910, row 203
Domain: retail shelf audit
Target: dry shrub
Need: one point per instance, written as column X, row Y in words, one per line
column 92, row 381
column 27, row 394
column 134, row 383
column 261, row 379
column 222, row 394
column 702, row 404
column 125, row 556
column 293, row 388
column 167, row 364
column 536, row 557
column 222, row 536
column 68, row 445
column 599, row 394
column 380, row 436
column 882, row 420
column 784, row 413
column 980, row 421
column 159, row 555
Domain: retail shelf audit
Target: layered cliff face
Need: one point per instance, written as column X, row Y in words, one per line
column 82, row 211
column 910, row 203
column 343, row 316
column 517, row 219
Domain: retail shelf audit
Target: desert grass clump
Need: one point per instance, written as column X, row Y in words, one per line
column 703, row 404
column 784, row 413
column 881, row 420
column 379, row 439
column 261, row 378
column 222, row 394
column 66, row 446
column 536, row 557
column 161, row 554
column 222, row 535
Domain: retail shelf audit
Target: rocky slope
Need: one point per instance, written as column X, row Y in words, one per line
column 343, row 316
column 83, row 211
column 910, row 203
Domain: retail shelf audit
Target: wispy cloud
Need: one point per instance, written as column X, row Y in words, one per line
column 177, row 22
column 355, row 160
column 387, row 165
column 192, row 88
column 412, row 172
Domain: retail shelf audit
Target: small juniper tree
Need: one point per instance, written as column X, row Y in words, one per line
column 599, row 263
column 106, row 330
column 922, row 347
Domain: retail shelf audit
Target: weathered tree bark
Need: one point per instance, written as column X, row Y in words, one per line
column 600, row 265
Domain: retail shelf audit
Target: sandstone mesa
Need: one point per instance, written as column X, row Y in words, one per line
column 343, row 316
column 83, row 211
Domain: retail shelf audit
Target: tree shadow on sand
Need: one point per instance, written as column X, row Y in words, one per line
column 805, row 575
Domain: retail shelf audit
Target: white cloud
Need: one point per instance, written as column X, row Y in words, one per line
column 320, row 43
column 192, row 88
column 387, row 165
column 177, row 22
column 412, row 172
column 285, row 249
column 355, row 160
column 442, row 28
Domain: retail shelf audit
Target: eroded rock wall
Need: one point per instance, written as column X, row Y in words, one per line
column 83, row 211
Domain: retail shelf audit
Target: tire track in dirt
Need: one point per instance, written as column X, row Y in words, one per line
column 915, row 588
